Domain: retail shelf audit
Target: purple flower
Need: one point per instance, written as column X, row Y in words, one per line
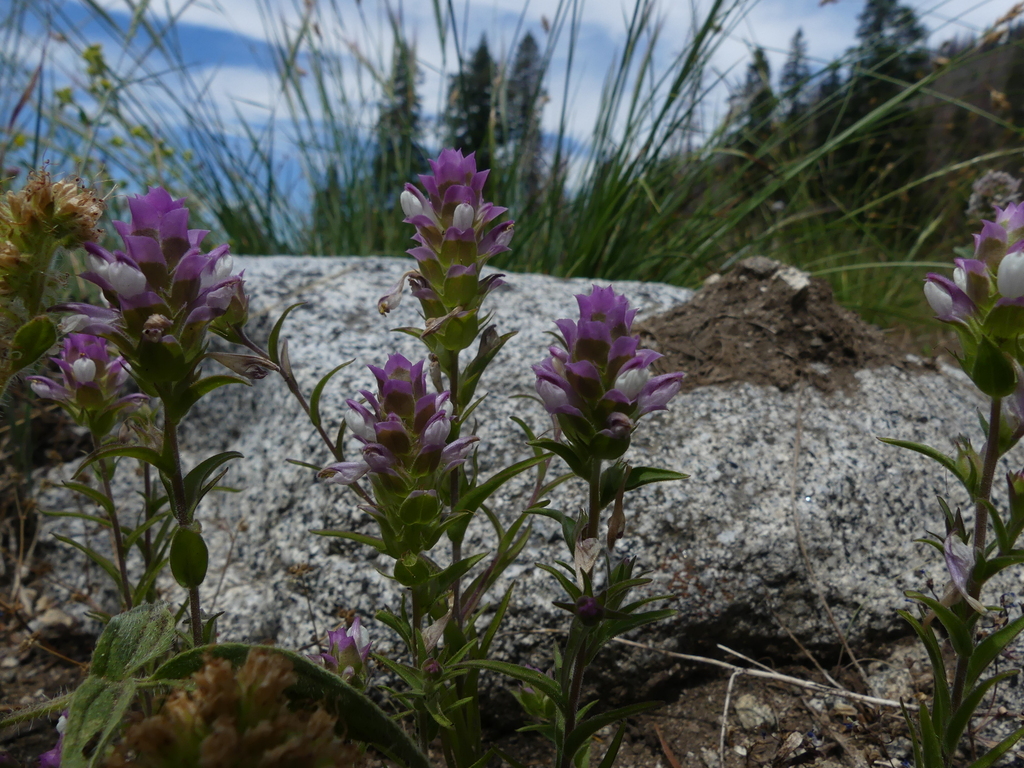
column 960, row 564
column 404, row 430
column 598, row 383
column 947, row 300
column 455, row 241
column 347, row 650
column 91, row 382
column 161, row 273
column 1011, row 218
column 52, row 758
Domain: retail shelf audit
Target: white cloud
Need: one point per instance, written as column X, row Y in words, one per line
column 359, row 36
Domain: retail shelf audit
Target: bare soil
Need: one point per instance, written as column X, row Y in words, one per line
column 767, row 324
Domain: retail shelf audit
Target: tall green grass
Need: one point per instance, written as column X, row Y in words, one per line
column 653, row 192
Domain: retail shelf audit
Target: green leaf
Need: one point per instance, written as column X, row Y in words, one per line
column 474, row 497
column 958, row 721
column 136, row 534
column 1005, row 321
column 371, row 541
column 97, row 708
column 361, row 719
column 147, row 455
column 275, row 333
column 95, row 556
column 580, row 735
column 178, row 406
column 190, row 558
column 571, row 588
column 80, row 515
column 568, row 524
column 196, row 479
column 959, row 632
column 567, row 454
column 131, row 640
column 989, row 568
column 991, row 647
column 914, row 740
column 148, row 578
column 639, row 476
column 613, row 749
column 931, row 748
column 1000, row 749
column 531, row 677
column 993, row 374
column 401, row 627
column 926, row 450
column 93, row 493
column 31, row 342
column 941, row 698
column 318, row 390
column 440, row 582
column 36, row 711
column 495, row 622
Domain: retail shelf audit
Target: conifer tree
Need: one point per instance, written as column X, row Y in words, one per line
column 470, row 105
column 793, row 78
column 398, row 155
column 754, row 103
column 525, row 99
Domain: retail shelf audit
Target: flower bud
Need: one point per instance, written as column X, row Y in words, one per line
column 938, row 299
column 632, row 382
column 1010, row 277
column 463, row 217
column 84, row 370
column 411, row 204
column 589, row 611
column 125, row 279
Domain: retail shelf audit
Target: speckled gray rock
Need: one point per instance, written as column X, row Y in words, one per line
column 724, row 544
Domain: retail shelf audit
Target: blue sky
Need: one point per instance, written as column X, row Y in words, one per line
column 225, row 41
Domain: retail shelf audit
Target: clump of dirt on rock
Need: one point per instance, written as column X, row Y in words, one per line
column 767, row 324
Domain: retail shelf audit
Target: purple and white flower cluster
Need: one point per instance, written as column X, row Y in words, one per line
column 404, row 431
column 597, row 384
column 92, row 383
column 162, row 292
column 993, row 278
column 347, row 650
column 451, row 222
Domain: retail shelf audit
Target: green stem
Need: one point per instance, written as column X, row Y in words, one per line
column 422, row 717
column 453, row 383
column 579, row 662
column 171, row 449
column 594, row 514
column 980, row 532
column 115, row 531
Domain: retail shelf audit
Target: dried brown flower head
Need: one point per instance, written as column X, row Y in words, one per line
column 236, row 719
column 64, row 211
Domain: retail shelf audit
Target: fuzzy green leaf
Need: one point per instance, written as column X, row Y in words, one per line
column 31, row 342
column 98, row 706
column 131, row 640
